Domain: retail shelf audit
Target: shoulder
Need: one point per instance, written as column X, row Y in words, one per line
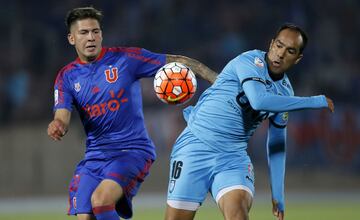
column 137, row 53
column 252, row 58
column 249, row 64
column 66, row 70
column 132, row 50
column 129, row 51
column 252, row 54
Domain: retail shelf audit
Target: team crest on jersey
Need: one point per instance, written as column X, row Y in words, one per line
column 77, row 87
column 285, row 116
column 172, row 186
column 258, row 62
column 111, row 74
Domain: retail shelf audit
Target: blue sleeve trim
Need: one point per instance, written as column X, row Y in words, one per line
column 276, row 125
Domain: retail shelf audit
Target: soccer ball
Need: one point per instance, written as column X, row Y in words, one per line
column 175, row 83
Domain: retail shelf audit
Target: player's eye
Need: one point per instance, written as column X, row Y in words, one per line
column 292, row 51
column 96, row 31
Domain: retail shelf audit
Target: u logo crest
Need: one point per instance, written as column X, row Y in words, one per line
column 111, row 74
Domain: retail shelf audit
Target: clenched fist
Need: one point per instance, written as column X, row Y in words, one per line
column 56, row 129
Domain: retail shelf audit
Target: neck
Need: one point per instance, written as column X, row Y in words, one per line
column 276, row 76
column 90, row 59
column 85, row 60
column 273, row 76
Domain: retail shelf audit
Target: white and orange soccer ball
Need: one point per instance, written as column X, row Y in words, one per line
column 175, row 83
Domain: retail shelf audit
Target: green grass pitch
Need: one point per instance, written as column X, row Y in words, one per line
column 327, row 210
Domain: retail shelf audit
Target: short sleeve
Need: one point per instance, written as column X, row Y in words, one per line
column 147, row 63
column 62, row 93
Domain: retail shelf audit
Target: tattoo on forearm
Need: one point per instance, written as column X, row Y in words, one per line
column 197, row 67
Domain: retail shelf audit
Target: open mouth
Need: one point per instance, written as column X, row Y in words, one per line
column 276, row 63
column 90, row 47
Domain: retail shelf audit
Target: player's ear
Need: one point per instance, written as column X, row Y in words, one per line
column 298, row 59
column 71, row 39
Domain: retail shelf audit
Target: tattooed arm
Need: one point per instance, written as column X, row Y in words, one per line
column 197, row 67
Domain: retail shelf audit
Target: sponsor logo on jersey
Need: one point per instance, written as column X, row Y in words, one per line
column 77, row 87
column 112, row 105
column 258, row 62
column 56, row 96
column 111, row 74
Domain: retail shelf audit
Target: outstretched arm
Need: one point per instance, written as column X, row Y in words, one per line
column 260, row 99
column 276, row 146
column 199, row 69
column 59, row 126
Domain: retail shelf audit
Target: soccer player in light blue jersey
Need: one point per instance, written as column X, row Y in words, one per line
column 103, row 85
column 210, row 154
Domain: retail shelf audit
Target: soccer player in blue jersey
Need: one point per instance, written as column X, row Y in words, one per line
column 103, row 85
column 210, row 154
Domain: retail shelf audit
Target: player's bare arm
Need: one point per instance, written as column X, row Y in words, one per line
column 59, row 126
column 199, row 68
column 330, row 104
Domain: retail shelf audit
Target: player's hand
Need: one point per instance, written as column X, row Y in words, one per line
column 56, row 130
column 330, row 104
column 279, row 214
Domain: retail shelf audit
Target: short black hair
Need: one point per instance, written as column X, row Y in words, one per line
column 82, row 13
column 297, row 29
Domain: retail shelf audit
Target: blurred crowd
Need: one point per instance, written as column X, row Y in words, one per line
column 34, row 47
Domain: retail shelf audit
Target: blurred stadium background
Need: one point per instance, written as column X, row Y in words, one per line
column 323, row 161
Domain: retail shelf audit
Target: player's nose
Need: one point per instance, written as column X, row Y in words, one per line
column 91, row 36
column 281, row 53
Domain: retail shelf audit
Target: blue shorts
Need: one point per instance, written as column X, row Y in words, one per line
column 196, row 169
column 128, row 169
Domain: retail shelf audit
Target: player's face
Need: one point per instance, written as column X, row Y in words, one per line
column 284, row 51
column 86, row 36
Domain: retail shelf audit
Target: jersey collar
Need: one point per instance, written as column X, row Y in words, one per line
column 101, row 55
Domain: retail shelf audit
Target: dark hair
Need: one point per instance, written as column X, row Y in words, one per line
column 82, row 13
column 296, row 28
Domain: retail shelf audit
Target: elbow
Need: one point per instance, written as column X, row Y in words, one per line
column 257, row 104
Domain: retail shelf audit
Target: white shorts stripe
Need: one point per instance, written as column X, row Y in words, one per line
column 228, row 189
column 190, row 206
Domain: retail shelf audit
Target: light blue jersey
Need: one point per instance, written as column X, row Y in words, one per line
column 210, row 154
column 223, row 117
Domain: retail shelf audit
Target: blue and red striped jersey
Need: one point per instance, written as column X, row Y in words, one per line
column 107, row 95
